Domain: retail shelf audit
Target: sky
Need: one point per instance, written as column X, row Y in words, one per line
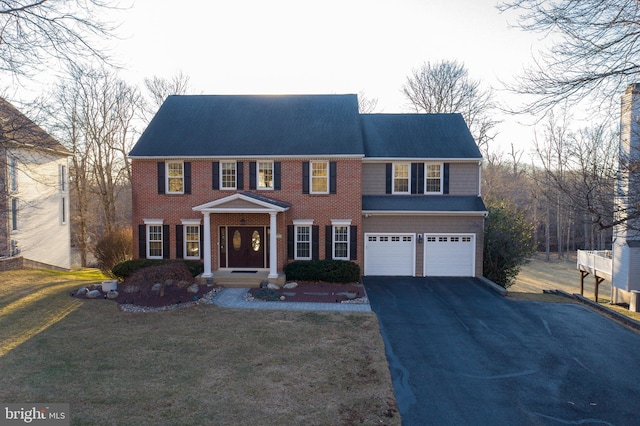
column 329, row 46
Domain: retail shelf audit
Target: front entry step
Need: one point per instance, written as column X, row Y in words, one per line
column 238, row 279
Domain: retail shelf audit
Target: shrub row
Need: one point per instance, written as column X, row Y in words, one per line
column 125, row 269
column 333, row 271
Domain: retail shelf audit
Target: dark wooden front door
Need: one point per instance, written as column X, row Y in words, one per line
column 245, row 247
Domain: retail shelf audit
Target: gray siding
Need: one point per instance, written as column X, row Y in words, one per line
column 463, row 178
column 429, row 224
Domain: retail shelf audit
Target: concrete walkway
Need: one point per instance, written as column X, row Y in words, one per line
column 234, row 298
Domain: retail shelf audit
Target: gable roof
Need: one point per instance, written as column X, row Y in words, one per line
column 16, row 128
column 441, row 136
column 253, row 125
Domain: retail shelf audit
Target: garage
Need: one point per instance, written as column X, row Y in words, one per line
column 449, row 255
column 389, row 254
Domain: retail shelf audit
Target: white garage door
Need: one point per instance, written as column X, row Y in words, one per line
column 389, row 254
column 449, row 255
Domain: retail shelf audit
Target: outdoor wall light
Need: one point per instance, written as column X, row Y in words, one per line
column 243, row 222
column 419, row 238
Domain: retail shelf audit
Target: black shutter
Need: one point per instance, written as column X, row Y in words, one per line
column 166, row 242
column 389, row 177
column 291, row 242
column 201, row 245
column 332, row 177
column 277, row 175
column 161, row 189
column 187, row 177
column 253, row 175
column 240, row 175
column 215, row 172
column 315, row 242
column 305, row 177
column 417, row 178
column 328, row 242
column 445, row 178
column 179, row 242
column 142, row 241
column 353, row 242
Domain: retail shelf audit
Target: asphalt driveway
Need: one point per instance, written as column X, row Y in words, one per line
column 461, row 354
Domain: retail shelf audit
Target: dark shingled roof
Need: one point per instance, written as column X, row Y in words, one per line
column 439, row 136
column 422, row 203
column 15, row 127
column 248, row 125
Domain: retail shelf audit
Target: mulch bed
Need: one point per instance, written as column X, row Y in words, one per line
column 317, row 292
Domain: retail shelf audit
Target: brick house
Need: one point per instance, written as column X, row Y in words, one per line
column 34, row 207
column 250, row 183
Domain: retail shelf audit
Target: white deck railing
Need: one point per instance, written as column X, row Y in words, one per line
column 597, row 262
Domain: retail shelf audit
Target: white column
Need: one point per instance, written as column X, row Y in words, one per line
column 207, row 245
column 273, row 247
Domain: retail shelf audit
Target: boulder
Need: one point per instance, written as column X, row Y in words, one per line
column 272, row 286
column 156, row 287
column 94, row 294
column 290, row 285
column 112, row 294
column 193, row 288
column 168, row 283
column 82, row 291
column 130, row 289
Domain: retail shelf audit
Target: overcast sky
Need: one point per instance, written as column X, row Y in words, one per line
column 328, row 46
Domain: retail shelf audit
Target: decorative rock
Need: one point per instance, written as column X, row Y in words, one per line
column 109, row 285
column 130, row 289
column 193, row 288
column 264, row 284
column 156, row 287
column 272, row 286
column 112, row 294
column 82, row 291
column 282, row 297
column 290, row 285
column 183, row 283
column 168, row 283
column 94, row 294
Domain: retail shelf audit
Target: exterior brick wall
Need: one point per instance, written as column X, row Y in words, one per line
column 11, row 263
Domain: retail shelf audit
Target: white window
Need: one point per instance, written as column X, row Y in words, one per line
column 154, row 238
column 62, row 177
column 14, row 214
column 319, row 177
column 303, row 242
column 228, row 175
column 341, row 230
column 175, row 177
column 192, row 241
column 433, row 176
column 265, row 175
column 13, row 174
column 401, row 175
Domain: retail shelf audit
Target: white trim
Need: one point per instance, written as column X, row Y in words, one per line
column 263, row 206
column 153, row 221
column 340, row 222
column 303, row 222
column 191, row 221
column 393, row 178
column 245, row 157
column 449, row 235
column 167, row 177
column 420, row 159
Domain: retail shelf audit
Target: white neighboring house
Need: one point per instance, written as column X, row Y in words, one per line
column 34, row 183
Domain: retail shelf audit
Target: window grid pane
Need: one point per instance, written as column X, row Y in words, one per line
column 433, row 175
column 265, row 175
column 341, row 242
column 319, row 177
column 401, row 178
column 303, row 242
column 192, row 240
column 174, row 177
column 155, row 240
column 228, row 170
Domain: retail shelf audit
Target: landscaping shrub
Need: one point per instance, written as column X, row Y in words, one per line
column 126, row 269
column 145, row 278
column 113, row 248
column 333, row 271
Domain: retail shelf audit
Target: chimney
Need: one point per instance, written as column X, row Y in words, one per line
column 629, row 154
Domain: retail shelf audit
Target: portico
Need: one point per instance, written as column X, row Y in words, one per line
column 241, row 246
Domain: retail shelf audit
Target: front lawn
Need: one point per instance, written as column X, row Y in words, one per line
column 198, row 365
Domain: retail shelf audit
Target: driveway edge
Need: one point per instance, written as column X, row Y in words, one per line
column 493, row 286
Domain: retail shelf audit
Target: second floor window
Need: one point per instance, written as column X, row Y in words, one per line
column 175, row 177
column 265, row 175
column 13, row 174
column 319, row 177
column 433, row 175
column 401, row 178
column 228, row 175
column 62, row 172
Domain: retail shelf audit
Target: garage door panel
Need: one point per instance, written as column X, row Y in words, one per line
column 390, row 254
column 449, row 255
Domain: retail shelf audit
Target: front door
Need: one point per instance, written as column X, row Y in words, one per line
column 245, row 247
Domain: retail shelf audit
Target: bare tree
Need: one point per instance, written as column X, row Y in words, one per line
column 366, row 105
column 158, row 88
column 595, row 50
column 445, row 87
column 35, row 31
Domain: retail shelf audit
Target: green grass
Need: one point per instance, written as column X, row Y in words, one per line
column 198, row 365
